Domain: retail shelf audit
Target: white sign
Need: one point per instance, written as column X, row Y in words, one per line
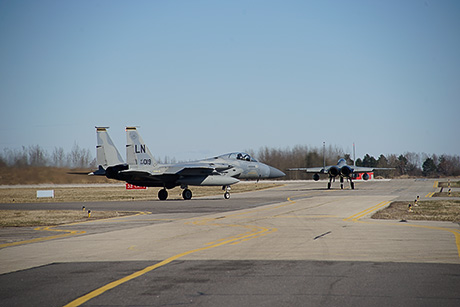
column 45, row 193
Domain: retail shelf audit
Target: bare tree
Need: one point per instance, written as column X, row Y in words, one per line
column 37, row 156
column 80, row 158
column 58, row 157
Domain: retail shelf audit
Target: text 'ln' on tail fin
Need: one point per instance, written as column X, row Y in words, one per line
column 137, row 153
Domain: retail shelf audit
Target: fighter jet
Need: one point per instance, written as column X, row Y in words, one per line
column 141, row 168
column 342, row 170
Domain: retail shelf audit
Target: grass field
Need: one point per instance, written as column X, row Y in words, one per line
column 33, row 218
column 433, row 210
column 447, row 184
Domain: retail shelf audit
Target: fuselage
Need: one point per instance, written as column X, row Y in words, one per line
column 246, row 167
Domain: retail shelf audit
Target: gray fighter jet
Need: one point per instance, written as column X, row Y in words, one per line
column 342, row 169
column 141, row 168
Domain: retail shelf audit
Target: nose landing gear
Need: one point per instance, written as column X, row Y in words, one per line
column 227, row 191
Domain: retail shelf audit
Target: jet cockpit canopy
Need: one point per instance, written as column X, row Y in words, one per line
column 239, row 156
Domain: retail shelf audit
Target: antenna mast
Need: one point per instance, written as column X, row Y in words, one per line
column 324, row 155
column 354, row 155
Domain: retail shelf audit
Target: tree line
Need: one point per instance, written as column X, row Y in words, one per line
column 407, row 164
column 36, row 156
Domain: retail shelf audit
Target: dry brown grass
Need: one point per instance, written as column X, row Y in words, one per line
column 446, row 184
column 114, row 193
column 446, row 194
column 23, row 218
column 49, row 175
column 437, row 210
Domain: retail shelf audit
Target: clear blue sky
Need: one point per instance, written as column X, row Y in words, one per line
column 202, row 78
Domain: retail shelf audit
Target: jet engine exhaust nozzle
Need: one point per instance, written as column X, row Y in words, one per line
column 345, row 171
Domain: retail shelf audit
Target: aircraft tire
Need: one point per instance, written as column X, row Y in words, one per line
column 352, row 185
column 187, row 194
column 226, row 195
column 163, row 194
column 328, row 185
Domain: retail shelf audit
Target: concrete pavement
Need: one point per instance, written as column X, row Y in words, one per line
column 294, row 227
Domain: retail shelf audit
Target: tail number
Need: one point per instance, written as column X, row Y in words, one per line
column 145, row 162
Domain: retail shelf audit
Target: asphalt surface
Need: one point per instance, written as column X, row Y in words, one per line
column 296, row 245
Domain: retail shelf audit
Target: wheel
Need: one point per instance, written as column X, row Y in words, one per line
column 328, row 185
column 163, row 194
column 226, row 195
column 341, row 186
column 187, row 194
column 352, row 185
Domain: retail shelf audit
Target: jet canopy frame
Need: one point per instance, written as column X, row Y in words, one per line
column 239, row 156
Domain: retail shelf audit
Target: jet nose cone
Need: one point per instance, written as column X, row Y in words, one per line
column 275, row 173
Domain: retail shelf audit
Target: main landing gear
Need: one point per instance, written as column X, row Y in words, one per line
column 163, row 194
column 330, row 182
column 187, row 194
column 352, row 184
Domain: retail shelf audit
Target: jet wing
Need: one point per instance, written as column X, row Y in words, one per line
column 362, row 169
column 192, row 169
column 311, row 169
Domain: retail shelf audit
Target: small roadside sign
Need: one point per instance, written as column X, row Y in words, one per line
column 45, row 193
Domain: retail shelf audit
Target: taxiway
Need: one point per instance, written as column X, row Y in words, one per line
column 295, row 245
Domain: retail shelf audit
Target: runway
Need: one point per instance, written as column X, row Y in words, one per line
column 295, row 245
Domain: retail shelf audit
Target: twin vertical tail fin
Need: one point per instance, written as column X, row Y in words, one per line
column 106, row 153
column 138, row 154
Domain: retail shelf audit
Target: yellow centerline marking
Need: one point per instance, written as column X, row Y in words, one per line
column 359, row 215
column 46, row 228
column 435, row 185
